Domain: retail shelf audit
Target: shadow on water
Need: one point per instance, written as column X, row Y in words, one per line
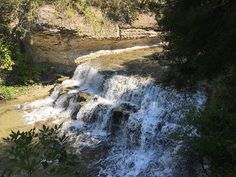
column 140, row 62
column 141, row 67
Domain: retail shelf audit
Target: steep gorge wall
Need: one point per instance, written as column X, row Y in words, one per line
column 59, row 38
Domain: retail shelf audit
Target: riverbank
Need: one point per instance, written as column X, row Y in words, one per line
column 12, row 92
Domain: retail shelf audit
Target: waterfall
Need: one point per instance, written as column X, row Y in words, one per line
column 125, row 120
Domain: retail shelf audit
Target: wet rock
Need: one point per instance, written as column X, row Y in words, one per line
column 89, row 156
column 123, row 112
column 81, row 99
column 159, row 126
column 117, row 115
column 97, row 114
column 63, row 101
column 133, row 133
column 121, row 124
column 67, row 89
column 61, row 79
column 52, row 89
column 128, row 107
column 120, row 115
column 74, row 115
column 83, row 96
column 95, row 152
column 63, row 91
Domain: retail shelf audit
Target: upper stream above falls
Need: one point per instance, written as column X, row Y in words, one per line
column 117, row 116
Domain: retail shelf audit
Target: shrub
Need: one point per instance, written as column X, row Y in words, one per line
column 42, row 152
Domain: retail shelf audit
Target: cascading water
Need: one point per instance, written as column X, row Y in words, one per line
column 124, row 122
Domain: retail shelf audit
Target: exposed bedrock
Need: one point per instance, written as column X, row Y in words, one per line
column 59, row 38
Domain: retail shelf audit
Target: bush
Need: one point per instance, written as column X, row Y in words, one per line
column 42, row 153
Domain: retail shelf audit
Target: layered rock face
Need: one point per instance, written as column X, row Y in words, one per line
column 61, row 38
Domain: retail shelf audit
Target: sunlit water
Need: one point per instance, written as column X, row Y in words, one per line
column 11, row 117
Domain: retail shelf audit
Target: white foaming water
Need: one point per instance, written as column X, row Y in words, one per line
column 131, row 115
column 88, row 78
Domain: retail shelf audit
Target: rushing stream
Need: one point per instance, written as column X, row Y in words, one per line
column 119, row 122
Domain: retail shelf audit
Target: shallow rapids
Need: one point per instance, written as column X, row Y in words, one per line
column 119, row 124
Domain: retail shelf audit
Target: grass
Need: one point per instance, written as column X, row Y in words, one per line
column 11, row 92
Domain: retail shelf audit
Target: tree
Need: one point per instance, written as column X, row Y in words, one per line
column 201, row 49
column 201, row 36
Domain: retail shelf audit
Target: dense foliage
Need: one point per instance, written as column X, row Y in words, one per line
column 5, row 37
column 202, row 38
column 38, row 153
column 120, row 9
column 15, row 66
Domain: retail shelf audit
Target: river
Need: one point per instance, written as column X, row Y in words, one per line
column 117, row 115
column 11, row 118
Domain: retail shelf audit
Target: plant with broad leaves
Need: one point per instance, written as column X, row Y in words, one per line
column 42, row 153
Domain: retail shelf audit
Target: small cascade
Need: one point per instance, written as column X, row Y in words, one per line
column 119, row 124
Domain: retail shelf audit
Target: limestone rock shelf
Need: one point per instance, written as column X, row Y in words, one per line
column 58, row 38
